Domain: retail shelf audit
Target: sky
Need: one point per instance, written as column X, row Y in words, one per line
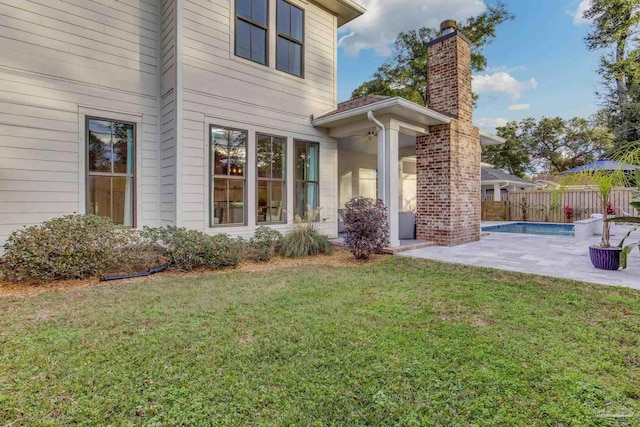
column 538, row 65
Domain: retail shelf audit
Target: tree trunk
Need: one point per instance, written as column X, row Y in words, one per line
column 605, row 225
column 621, row 75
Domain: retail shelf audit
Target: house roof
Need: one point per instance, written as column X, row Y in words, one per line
column 355, row 109
column 494, row 175
column 345, row 10
column 355, row 103
column 602, row 165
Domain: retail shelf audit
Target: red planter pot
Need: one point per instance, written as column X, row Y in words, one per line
column 605, row 258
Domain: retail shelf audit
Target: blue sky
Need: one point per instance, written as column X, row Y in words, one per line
column 537, row 66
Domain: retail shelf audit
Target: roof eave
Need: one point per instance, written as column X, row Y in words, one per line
column 327, row 121
column 487, row 138
column 345, row 10
column 506, row 181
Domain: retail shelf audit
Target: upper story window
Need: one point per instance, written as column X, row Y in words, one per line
column 252, row 27
column 290, row 41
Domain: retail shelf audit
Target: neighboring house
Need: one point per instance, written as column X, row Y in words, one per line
column 545, row 184
column 496, row 185
column 220, row 116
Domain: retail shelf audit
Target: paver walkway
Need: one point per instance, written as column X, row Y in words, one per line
column 554, row 256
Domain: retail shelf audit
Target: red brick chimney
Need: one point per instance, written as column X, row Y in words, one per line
column 448, row 208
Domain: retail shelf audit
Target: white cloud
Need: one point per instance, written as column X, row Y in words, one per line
column 378, row 28
column 578, row 15
column 490, row 123
column 497, row 68
column 502, row 82
column 519, row 107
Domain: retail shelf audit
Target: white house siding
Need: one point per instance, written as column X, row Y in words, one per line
column 357, row 177
column 168, row 110
column 222, row 89
column 60, row 58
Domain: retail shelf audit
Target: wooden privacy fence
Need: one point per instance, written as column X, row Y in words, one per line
column 495, row 211
column 584, row 202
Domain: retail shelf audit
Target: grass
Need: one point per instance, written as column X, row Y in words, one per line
column 405, row 343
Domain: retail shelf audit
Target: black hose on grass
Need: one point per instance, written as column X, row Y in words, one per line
column 151, row 271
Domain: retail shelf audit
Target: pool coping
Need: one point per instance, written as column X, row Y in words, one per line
column 575, row 226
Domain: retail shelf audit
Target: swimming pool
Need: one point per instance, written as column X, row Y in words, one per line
column 567, row 230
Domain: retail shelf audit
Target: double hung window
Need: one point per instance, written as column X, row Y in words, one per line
column 252, row 29
column 228, row 176
column 111, row 170
column 271, row 168
column 307, row 179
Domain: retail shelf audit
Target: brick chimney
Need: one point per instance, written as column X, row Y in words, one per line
column 448, row 158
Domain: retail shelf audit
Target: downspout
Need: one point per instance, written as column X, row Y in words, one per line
column 373, row 119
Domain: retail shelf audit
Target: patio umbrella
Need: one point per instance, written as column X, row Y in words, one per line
column 602, row 165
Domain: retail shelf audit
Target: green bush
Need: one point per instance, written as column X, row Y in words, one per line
column 75, row 247
column 188, row 250
column 264, row 243
column 304, row 240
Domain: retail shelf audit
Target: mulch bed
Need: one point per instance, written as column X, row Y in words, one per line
column 339, row 258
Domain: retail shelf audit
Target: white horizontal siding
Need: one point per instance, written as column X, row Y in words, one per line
column 58, row 58
column 222, row 89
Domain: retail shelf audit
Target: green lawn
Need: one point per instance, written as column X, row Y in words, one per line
column 404, row 342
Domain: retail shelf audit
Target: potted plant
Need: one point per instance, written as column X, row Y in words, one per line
column 603, row 255
column 626, row 250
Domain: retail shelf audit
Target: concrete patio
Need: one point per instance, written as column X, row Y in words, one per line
column 555, row 256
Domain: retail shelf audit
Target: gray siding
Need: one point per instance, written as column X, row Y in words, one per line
column 168, row 137
column 220, row 88
column 58, row 58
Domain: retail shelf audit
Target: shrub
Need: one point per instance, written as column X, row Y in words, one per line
column 366, row 226
column 304, row 240
column 189, row 249
column 75, row 247
column 264, row 243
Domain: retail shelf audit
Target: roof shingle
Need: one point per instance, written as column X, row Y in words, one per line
column 355, row 103
column 496, row 175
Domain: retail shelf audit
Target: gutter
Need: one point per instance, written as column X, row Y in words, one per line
column 373, row 119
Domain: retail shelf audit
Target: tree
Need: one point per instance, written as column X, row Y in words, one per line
column 406, row 73
column 512, row 156
column 551, row 145
column 615, row 26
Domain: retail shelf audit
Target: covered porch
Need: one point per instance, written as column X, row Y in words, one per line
column 378, row 157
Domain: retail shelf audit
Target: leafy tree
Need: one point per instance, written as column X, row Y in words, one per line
column 512, row 156
column 616, row 28
column 551, row 144
column 406, row 73
column 558, row 145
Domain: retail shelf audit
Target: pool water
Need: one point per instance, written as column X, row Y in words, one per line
column 567, row 230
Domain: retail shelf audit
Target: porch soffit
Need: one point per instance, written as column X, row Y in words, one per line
column 413, row 115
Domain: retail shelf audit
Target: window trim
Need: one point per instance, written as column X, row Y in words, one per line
column 211, row 177
column 297, row 181
column 252, row 23
column 290, row 39
column 271, row 180
column 134, row 176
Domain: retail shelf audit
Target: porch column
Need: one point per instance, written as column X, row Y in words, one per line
column 496, row 193
column 388, row 176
